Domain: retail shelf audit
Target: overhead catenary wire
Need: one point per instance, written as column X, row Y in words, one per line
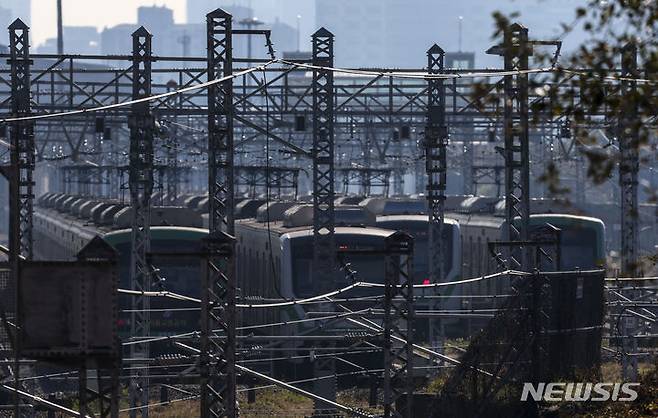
column 183, row 90
column 323, row 296
column 459, row 75
column 391, row 74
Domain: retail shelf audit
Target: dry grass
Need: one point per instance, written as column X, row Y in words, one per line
column 269, row 403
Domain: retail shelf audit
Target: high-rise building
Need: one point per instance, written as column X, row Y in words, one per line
column 284, row 37
column 378, row 32
column 155, row 18
column 117, row 39
column 397, row 33
column 198, row 9
column 5, row 19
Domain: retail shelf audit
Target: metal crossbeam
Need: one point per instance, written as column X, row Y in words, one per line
column 217, row 360
column 366, row 178
column 140, row 182
column 398, row 325
column 274, row 178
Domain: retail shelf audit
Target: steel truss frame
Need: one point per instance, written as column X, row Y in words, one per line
column 324, row 246
column 279, row 178
column 365, row 178
column 217, row 357
column 516, row 49
column 140, row 181
column 398, row 323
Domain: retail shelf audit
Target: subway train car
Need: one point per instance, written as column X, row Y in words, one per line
column 275, row 260
column 64, row 224
column 418, row 227
column 281, row 251
column 582, row 248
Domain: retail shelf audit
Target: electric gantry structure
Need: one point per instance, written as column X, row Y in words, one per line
column 147, row 132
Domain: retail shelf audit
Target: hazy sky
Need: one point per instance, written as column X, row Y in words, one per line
column 99, row 13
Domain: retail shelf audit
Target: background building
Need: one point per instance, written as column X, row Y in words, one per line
column 388, row 32
column 278, row 16
column 84, row 40
column 17, row 9
column 198, row 9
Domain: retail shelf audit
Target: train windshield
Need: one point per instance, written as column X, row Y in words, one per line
column 180, row 275
column 419, row 230
column 579, row 247
column 368, row 268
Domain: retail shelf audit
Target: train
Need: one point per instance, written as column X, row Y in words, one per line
column 274, row 244
column 64, row 224
column 471, row 223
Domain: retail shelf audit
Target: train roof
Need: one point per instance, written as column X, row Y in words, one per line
column 296, row 217
column 394, row 206
column 497, row 222
column 349, row 200
column 479, row 204
column 100, row 217
column 344, row 230
column 158, row 233
column 280, row 228
column 414, row 218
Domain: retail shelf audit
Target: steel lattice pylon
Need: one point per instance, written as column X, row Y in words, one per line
column 324, row 247
column 628, row 133
column 22, row 137
column 217, row 360
column 436, row 141
column 436, row 138
column 173, row 172
column 517, row 148
column 20, row 171
column 629, row 138
column 398, row 324
column 140, row 182
column 323, row 158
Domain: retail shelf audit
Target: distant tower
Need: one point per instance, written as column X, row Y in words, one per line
column 60, row 29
